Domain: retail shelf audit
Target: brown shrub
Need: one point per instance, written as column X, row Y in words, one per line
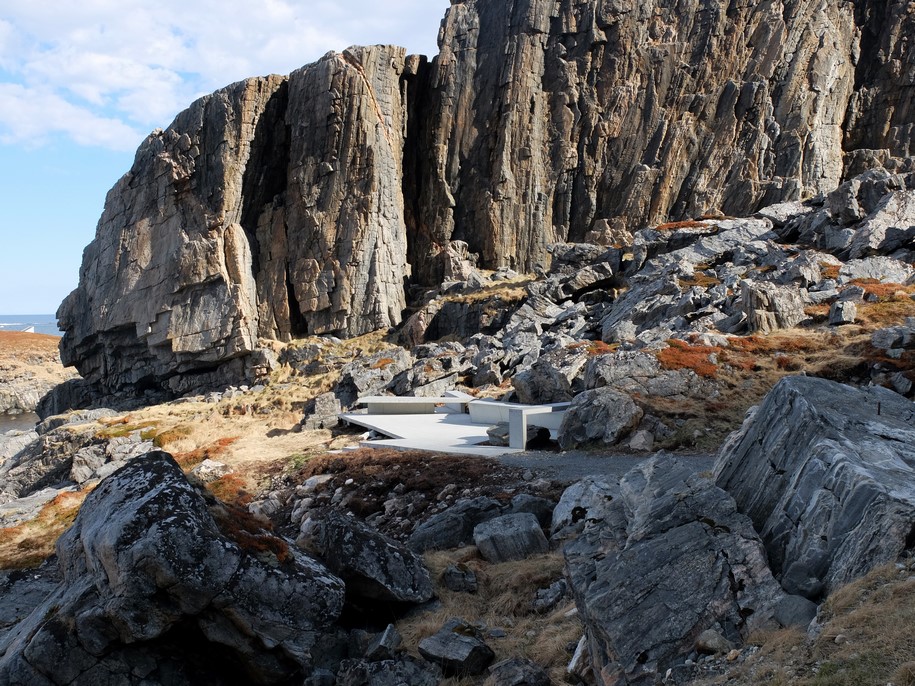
column 251, row 533
column 687, row 224
column 231, row 488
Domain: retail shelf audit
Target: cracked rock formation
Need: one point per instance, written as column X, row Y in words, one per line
column 655, row 567
column 153, row 592
column 825, row 471
column 283, row 206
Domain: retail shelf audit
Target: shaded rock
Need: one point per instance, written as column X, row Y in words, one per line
column 460, row 579
column 21, row 591
column 795, row 610
column 458, row 649
column 548, row 598
column 541, row 508
column 555, row 377
column 384, row 645
column 600, row 415
column 671, row 547
column 374, row 567
column 517, row 671
column 711, row 642
column 833, row 497
column 454, row 526
column 145, row 561
column 510, row 537
column 321, row 413
column 404, row 670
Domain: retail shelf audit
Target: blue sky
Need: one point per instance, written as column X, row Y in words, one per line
column 81, row 84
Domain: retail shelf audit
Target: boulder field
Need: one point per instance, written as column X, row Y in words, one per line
column 156, row 582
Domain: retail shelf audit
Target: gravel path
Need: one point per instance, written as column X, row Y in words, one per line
column 572, row 465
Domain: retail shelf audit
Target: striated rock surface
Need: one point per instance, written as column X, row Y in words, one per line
column 654, row 568
column 271, row 208
column 825, row 472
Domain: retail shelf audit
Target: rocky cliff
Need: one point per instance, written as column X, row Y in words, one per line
column 284, row 206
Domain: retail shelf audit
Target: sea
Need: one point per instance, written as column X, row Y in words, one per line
column 36, row 323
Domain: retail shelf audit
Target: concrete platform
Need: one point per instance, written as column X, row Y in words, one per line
column 441, row 432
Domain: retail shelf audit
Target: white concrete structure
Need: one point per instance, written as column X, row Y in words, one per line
column 441, row 424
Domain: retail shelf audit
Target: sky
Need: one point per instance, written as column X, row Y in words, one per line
column 83, row 83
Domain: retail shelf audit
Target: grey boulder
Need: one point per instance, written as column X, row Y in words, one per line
column 145, row 561
column 454, row 526
column 510, row 537
column 600, row 415
column 458, row 649
column 374, row 567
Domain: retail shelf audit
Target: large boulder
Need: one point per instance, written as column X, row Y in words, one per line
column 374, row 567
column 827, row 474
column 668, row 559
column 154, row 591
column 458, row 648
column 510, row 537
column 602, row 415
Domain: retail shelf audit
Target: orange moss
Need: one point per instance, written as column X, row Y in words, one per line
column 681, row 355
column 230, row 488
column 382, row 363
column 829, row 271
column 191, row 459
column 883, row 291
column 758, row 344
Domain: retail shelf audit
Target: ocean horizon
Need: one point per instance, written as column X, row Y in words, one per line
column 37, row 323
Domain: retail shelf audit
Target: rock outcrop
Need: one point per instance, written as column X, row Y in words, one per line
column 271, row 208
column 282, row 206
column 153, row 592
column 668, row 560
column 825, row 472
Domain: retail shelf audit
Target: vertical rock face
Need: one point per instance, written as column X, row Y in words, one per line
column 271, row 208
column 550, row 117
column 284, row 206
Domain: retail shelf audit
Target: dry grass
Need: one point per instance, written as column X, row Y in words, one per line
column 33, row 356
column 29, row 544
column 700, row 279
column 687, row 224
column 872, row 619
column 509, row 291
column 503, row 601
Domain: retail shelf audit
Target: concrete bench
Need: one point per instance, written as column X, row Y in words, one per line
column 389, row 404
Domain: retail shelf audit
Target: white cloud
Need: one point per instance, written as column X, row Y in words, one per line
column 119, row 66
column 31, row 116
